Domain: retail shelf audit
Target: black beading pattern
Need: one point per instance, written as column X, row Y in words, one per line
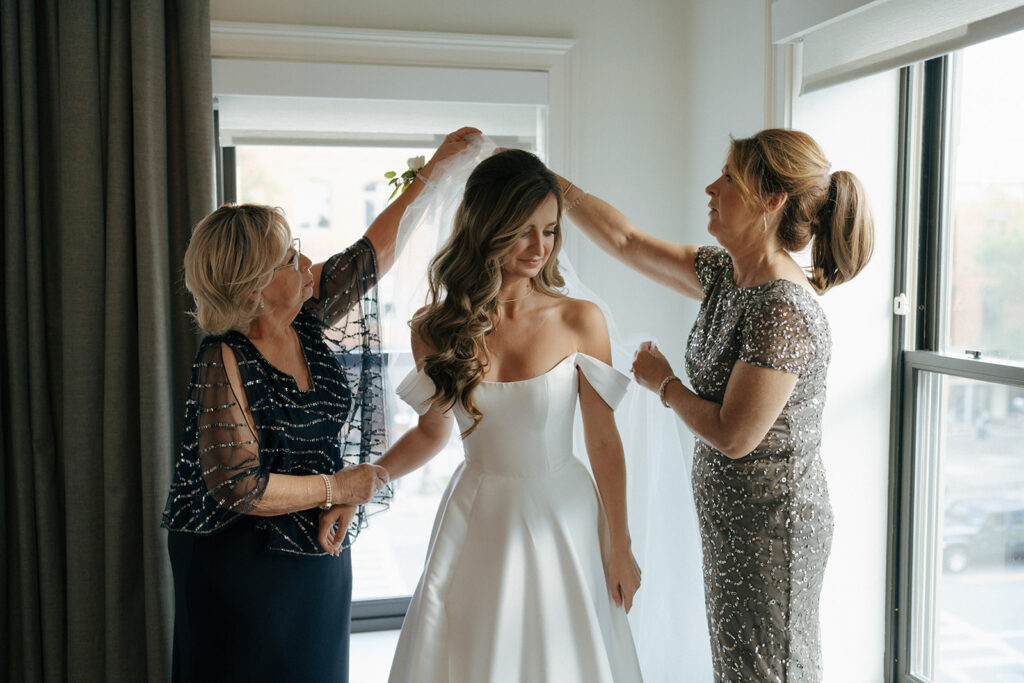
column 222, row 468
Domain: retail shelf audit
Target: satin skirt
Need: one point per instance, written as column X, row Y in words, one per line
column 514, row 586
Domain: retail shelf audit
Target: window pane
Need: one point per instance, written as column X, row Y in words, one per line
column 329, row 196
column 986, row 293
column 967, row 603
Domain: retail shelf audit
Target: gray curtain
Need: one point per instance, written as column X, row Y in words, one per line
column 107, row 146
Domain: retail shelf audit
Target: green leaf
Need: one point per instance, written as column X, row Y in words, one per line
column 390, row 174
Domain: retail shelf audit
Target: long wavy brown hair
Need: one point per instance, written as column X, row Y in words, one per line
column 501, row 194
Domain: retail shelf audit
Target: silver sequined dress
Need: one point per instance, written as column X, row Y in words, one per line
column 765, row 519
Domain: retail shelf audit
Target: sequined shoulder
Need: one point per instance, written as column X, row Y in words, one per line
column 711, row 263
column 784, row 328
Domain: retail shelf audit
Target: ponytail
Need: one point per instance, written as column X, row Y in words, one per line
column 844, row 234
column 832, row 210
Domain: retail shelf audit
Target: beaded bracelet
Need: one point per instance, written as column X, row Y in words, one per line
column 663, row 387
column 578, row 200
column 330, row 492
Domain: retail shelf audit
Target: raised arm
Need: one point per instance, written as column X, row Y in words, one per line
column 607, row 460
column 383, row 231
column 667, row 263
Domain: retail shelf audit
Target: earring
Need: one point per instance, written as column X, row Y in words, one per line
column 262, row 305
column 764, row 230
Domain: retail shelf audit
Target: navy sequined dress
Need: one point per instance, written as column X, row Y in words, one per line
column 255, row 598
column 765, row 519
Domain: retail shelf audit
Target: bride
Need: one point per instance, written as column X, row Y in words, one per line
column 530, row 571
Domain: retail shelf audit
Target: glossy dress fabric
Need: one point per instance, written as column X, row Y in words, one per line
column 513, row 587
column 765, row 519
column 256, row 599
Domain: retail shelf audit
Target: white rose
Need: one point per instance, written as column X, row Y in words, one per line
column 417, row 163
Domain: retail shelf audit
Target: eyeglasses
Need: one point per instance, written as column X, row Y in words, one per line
column 295, row 252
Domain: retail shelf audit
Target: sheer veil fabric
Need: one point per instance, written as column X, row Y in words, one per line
column 668, row 617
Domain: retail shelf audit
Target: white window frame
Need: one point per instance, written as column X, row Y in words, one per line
column 551, row 56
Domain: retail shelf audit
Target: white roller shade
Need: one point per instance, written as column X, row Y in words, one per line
column 379, row 82
column 841, row 40
column 291, row 102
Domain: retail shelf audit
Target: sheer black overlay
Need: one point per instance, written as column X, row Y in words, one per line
column 223, row 465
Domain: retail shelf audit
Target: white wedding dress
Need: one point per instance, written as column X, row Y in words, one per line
column 513, row 587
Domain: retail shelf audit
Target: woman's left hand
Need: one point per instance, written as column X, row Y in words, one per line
column 334, row 527
column 650, row 367
column 623, row 577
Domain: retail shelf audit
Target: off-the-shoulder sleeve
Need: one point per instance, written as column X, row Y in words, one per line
column 416, row 390
column 776, row 333
column 346, row 279
column 609, row 383
column 711, row 263
column 219, row 474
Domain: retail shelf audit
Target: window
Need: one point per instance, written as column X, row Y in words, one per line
column 960, row 456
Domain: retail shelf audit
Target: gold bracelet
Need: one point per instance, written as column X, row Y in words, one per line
column 664, row 386
column 330, row 492
column 577, row 201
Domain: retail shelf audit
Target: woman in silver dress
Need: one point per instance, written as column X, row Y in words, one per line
column 756, row 358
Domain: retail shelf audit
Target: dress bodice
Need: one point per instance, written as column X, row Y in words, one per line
column 777, row 325
column 526, row 430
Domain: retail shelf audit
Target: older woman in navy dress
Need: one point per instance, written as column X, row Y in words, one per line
column 284, row 416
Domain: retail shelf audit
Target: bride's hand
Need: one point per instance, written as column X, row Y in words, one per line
column 623, row 577
column 650, row 366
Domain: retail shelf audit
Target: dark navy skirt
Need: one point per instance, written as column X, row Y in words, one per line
column 244, row 613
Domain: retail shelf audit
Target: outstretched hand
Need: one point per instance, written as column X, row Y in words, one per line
column 650, row 366
column 623, row 574
column 454, row 143
column 334, row 527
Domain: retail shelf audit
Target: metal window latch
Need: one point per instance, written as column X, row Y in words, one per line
column 900, row 304
column 973, row 354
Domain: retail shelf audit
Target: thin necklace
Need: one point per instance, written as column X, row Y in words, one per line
column 508, row 301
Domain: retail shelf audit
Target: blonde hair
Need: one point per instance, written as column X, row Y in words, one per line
column 465, row 276
column 230, row 259
column 832, row 209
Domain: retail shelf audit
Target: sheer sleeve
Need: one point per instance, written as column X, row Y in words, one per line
column 776, row 333
column 219, row 474
column 348, row 313
column 346, row 279
column 711, row 263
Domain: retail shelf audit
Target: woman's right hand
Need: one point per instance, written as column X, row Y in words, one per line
column 357, row 485
column 454, row 143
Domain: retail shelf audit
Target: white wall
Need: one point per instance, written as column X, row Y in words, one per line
column 659, row 87
column 856, row 125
